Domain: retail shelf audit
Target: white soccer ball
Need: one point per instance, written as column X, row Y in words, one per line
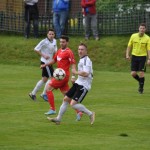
column 59, row 74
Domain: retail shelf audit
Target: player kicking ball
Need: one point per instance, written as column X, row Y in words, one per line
column 79, row 89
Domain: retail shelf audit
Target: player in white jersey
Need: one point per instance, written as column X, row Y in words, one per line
column 46, row 49
column 80, row 88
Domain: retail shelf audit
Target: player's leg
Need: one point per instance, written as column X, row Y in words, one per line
column 50, row 96
column 65, row 103
column 134, row 68
column 38, row 86
column 40, row 83
column 142, row 69
column 64, row 90
column 48, row 72
column 76, row 102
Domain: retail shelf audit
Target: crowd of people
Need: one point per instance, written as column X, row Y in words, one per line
column 60, row 11
column 138, row 51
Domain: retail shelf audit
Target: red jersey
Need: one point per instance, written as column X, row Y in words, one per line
column 64, row 59
column 90, row 4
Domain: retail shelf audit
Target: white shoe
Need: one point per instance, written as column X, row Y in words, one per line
column 55, row 120
column 92, row 118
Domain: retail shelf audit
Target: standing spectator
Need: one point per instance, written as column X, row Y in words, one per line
column 60, row 16
column 80, row 88
column 139, row 43
column 46, row 49
column 31, row 14
column 89, row 12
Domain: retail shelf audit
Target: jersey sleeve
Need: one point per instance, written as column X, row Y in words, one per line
column 39, row 46
column 87, row 66
column 130, row 43
column 148, row 44
column 71, row 57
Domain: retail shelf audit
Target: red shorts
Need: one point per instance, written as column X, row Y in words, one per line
column 60, row 84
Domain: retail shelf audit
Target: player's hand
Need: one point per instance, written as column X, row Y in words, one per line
column 42, row 66
column 148, row 61
column 128, row 58
column 46, row 56
column 73, row 80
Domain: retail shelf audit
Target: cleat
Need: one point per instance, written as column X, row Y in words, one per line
column 44, row 96
column 33, row 97
column 92, row 118
column 50, row 112
column 55, row 120
column 140, row 90
column 79, row 116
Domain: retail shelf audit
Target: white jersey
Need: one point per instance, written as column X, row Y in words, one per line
column 47, row 47
column 85, row 64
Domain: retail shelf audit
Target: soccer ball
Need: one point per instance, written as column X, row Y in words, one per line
column 59, row 74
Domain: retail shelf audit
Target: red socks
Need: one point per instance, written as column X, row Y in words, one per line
column 50, row 96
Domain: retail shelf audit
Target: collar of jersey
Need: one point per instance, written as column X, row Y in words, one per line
column 50, row 40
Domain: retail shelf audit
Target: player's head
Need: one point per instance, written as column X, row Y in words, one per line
column 82, row 50
column 64, row 41
column 50, row 34
column 142, row 28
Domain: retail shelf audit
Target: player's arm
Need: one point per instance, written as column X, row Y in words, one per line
column 48, row 64
column 148, row 55
column 41, row 54
column 80, row 73
column 73, row 77
column 128, row 52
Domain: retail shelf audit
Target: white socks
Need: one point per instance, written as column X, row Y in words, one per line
column 44, row 91
column 37, row 87
column 62, row 110
column 82, row 108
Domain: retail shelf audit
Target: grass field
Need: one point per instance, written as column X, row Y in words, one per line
column 120, row 111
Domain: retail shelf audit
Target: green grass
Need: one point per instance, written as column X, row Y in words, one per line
column 107, row 54
column 119, row 109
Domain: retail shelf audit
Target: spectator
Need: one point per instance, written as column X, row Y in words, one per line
column 31, row 14
column 60, row 16
column 89, row 12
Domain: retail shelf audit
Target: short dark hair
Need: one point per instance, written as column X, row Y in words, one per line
column 143, row 24
column 82, row 44
column 65, row 37
column 50, row 30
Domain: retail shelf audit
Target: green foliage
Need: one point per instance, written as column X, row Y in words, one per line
column 105, row 5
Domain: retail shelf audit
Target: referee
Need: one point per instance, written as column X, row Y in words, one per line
column 139, row 45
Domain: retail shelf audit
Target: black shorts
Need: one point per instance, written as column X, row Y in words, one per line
column 138, row 63
column 77, row 92
column 47, row 71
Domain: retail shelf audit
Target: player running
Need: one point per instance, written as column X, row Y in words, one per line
column 64, row 59
column 46, row 49
column 80, row 88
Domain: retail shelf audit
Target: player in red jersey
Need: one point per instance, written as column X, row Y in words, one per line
column 64, row 58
